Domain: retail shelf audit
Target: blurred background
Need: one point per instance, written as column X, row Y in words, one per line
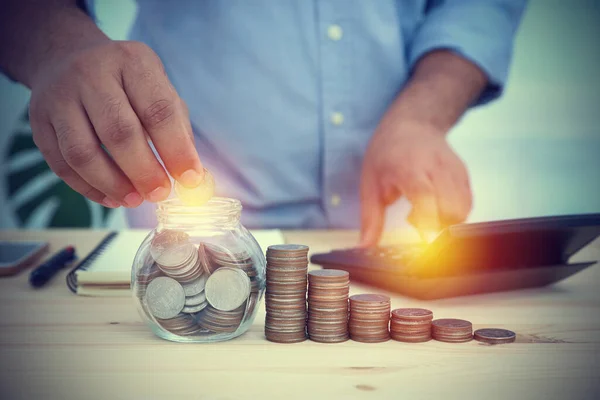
column 534, row 152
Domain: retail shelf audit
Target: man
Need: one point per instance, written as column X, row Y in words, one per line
column 313, row 113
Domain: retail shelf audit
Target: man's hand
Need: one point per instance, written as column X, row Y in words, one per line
column 114, row 95
column 408, row 154
column 413, row 160
column 95, row 103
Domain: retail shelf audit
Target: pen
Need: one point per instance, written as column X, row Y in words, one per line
column 42, row 274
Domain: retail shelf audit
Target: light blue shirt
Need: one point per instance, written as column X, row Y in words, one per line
column 284, row 95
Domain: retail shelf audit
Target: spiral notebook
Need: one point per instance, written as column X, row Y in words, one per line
column 106, row 271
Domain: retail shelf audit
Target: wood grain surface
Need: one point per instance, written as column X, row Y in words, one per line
column 55, row 345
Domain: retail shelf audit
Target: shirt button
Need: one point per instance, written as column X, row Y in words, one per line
column 337, row 118
column 335, row 32
column 335, row 200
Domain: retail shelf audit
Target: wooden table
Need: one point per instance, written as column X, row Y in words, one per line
column 54, row 344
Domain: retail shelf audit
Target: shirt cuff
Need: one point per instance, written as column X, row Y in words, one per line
column 479, row 31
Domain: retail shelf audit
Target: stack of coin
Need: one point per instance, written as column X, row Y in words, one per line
column 195, row 298
column 285, row 300
column 328, row 291
column 411, row 325
column 369, row 318
column 144, row 276
column 182, row 325
column 451, row 330
column 226, row 292
column 219, row 256
column 220, row 321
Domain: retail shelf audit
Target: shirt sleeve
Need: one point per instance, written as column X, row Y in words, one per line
column 481, row 31
column 88, row 7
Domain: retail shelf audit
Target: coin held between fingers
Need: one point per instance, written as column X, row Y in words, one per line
column 198, row 195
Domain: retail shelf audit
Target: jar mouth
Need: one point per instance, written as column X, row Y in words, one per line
column 217, row 212
column 216, row 205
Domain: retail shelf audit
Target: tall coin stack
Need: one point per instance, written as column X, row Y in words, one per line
column 328, row 291
column 452, row 330
column 285, row 300
column 369, row 318
column 411, row 325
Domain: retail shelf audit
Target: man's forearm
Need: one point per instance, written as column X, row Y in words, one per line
column 33, row 33
column 442, row 87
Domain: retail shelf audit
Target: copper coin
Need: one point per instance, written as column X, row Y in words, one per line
column 452, row 340
column 449, row 324
column 369, row 340
column 411, row 339
column 329, row 339
column 412, row 314
column 370, row 298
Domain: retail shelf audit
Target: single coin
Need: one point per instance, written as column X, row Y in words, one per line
column 165, row 297
column 195, row 299
column 326, row 273
column 227, row 288
column 451, row 324
column 196, row 286
column 412, row 313
column 171, row 248
column 199, row 195
column 221, row 253
column 369, row 298
column 287, row 247
column 494, row 335
column 194, row 309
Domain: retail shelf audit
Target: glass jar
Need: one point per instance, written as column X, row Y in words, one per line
column 199, row 276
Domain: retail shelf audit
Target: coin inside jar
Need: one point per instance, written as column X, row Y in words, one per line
column 227, row 288
column 171, row 248
column 165, row 297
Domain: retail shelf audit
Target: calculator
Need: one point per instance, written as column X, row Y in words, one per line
column 474, row 258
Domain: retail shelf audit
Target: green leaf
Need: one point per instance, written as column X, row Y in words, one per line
column 73, row 209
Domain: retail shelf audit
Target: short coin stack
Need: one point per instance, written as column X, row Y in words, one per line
column 452, row 330
column 369, row 318
column 286, row 293
column 411, row 325
column 328, row 291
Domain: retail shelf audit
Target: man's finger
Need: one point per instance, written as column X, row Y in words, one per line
column 45, row 139
column 81, row 149
column 372, row 212
column 159, row 109
column 424, row 213
column 121, row 132
column 451, row 209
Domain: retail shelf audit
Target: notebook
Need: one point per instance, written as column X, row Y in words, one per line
column 107, row 270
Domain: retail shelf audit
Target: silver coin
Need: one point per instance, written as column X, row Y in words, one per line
column 227, row 288
column 171, row 248
column 165, row 297
column 195, row 287
column 288, row 247
column 194, row 309
column 196, row 299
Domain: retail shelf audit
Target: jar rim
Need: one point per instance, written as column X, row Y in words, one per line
column 215, row 206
